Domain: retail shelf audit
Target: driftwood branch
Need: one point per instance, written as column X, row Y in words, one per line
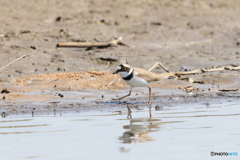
column 201, row 71
column 196, row 71
column 193, row 72
column 13, row 62
column 90, row 44
column 161, row 65
column 229, row 90
column 233, row 68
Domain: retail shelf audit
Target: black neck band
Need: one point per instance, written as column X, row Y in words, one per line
column 128, row 77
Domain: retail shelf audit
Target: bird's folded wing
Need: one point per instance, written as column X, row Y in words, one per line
column 149, row 76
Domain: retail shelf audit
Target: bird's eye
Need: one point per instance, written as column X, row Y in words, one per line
column 124, row 68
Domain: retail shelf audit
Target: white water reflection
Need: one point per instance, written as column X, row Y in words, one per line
column 139, row 130
column 181, row 132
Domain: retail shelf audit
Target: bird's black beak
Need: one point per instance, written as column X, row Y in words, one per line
column 115, row 72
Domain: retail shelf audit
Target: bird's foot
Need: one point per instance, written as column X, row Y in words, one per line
column 150, row 102
column 116, row 99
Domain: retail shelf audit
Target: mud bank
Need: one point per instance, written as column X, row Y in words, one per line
column 182, row 35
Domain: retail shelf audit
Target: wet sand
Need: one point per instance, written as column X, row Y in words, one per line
column 182, row 35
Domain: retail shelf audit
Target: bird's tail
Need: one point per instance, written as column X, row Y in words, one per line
column 167, row 75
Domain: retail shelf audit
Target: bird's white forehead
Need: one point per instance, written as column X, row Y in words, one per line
column 119, row 68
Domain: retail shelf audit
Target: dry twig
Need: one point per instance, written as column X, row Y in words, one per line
column 161, row 65
column 90, row 44
column 13, row 62
column 228, row 90
column 196, row 71
column 201, row 71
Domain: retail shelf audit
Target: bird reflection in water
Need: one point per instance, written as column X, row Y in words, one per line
column 139, row 128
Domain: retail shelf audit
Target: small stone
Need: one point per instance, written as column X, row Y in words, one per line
column 5, row 91
column 33, row 47
column 58, row 19
column 60, row 95
column 157, row 108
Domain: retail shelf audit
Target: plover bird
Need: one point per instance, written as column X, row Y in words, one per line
column 137, row 77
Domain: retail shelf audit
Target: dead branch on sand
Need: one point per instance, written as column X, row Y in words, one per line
column 91, row 44
column 201, row 71
column 196, row 71
column 161, row 65
column 13, row 62
column 229, row 90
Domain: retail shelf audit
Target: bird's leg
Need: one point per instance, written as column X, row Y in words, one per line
column 129, row 113
column 123, row 96
column 150, row 112
column 150, row 95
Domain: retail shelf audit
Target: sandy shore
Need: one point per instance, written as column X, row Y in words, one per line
column 182, row 35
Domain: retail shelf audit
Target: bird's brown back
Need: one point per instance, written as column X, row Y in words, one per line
column 149, row 76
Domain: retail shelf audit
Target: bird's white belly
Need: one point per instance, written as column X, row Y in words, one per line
column 137, row 82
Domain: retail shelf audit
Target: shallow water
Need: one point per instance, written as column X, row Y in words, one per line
column 180, row 132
